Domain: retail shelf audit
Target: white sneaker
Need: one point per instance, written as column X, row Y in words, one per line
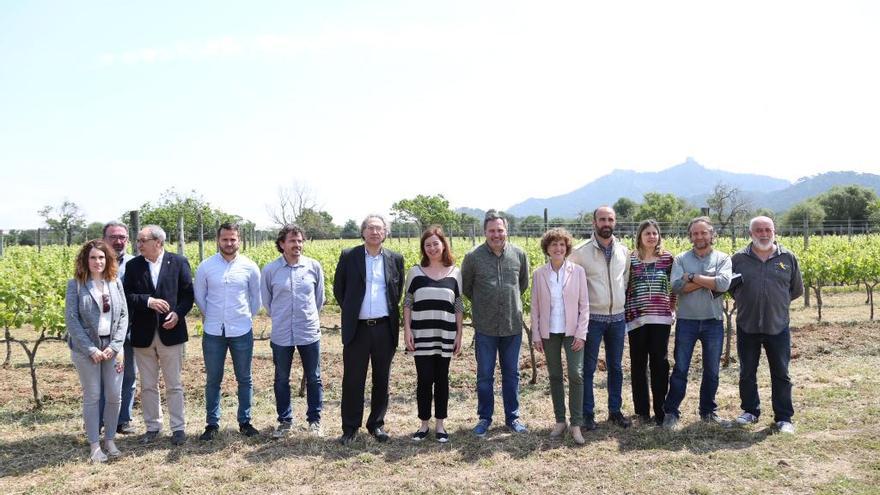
column 785, row 427
column 315, row 429
column 746, row 418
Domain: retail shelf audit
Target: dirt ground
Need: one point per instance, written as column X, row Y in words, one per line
column 836, row 448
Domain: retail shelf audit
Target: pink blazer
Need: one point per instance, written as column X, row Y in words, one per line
column 574, row 295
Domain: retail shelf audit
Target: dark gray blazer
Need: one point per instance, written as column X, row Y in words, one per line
column 82, row 313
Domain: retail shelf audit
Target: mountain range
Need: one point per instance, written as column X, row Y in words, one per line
column 691, row 181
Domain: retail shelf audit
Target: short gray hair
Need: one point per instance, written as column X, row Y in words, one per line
column 760, row 218
column 156, row 232
column 376, row 216
column 113, row 223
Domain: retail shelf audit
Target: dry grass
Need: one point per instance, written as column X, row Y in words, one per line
column 836, row 449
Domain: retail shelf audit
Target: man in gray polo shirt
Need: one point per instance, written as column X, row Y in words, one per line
column 699, row 277
column 770, row 278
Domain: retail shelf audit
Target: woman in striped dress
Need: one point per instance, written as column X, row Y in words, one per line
column 650, row 311
column 432, row 321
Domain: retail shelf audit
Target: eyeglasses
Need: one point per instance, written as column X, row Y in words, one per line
column 117, row 237
column 105, row 299
column 141, row 240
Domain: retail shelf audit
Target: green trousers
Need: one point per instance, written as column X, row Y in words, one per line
column 553, row 348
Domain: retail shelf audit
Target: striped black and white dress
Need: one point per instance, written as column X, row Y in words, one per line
column 433, row 305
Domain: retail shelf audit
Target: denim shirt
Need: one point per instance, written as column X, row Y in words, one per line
column 293, row 295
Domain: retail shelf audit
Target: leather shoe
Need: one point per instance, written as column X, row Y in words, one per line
column 178, row 437
column 379, row 434
column 149, row 437
column 346, row 439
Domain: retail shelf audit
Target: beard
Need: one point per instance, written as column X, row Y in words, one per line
column 763, row 244
column 605, row 232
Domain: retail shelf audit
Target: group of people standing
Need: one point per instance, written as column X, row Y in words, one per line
column 127, row 316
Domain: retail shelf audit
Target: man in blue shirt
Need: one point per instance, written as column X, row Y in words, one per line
column 292, row 289
column 227, row 292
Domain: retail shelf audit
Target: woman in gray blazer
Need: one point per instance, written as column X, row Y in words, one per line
column 97, row 320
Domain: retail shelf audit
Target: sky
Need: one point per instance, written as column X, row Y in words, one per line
column 110, row 104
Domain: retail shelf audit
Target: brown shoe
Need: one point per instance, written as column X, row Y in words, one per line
column 558, row 430
column 576, row 435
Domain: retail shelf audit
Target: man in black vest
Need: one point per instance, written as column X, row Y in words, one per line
column 367, row 285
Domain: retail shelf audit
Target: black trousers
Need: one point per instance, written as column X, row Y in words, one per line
column 372, row 345
column 432, row 374
column 649, row 344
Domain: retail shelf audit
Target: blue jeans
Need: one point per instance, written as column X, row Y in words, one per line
column 507, row 350
column 242, row 350
column 778, row 349
column 282, row 358
column 614, row 334
column 710, row 333
column 129, row 382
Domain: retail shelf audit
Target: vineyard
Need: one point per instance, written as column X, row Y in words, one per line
column 32, row 283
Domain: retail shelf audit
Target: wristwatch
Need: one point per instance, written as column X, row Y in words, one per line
column 690, row 277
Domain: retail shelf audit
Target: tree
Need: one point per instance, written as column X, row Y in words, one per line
column 350, row 230
column 727, row 204
column 292, row 201
column 172, row 205
column 66, row 218
column 625, row 208
column 317, row 224
column 810, row 210
column 843, row 203
column 532, row 225
column 874, row 212
column 665, row 208
column 424, row 211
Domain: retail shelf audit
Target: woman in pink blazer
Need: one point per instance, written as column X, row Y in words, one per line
column 560, row 313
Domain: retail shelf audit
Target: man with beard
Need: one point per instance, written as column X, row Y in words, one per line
column 494, row 276
column 606, row 262
column 699, row 277
column 116, row 236
column 769, row 280
column 293, row 294
column 227, row 291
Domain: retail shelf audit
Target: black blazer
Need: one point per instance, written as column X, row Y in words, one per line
column 175, row 286
column 350, row 286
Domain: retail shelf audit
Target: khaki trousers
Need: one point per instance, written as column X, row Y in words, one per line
column 170, row 360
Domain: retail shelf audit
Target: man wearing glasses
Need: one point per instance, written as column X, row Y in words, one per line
column 116, row 236
column 159, row 290
column 367, row 285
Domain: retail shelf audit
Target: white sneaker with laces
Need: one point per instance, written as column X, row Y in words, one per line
column 785, row 427
column 746, row 418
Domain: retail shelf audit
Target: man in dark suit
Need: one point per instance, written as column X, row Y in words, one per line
column 367, row 285
column 159, row 290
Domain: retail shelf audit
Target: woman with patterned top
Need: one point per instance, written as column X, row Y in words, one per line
column 432, row 322
column 650, row 312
